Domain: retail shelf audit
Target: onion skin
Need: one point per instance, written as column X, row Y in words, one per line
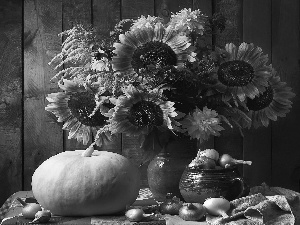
column 192, row 212
column 170, row 207
column 134, row 215
column 217, row 206
column 42, row 217
column 30, row 210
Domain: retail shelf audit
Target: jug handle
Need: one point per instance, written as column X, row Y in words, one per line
column 243, row 188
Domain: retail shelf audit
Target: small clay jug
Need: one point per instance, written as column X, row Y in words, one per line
column 165, row 170
column 196, row 184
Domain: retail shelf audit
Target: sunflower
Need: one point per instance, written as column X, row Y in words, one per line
column 243, row 71
column 201, row 124
column 75, row 106
column 139, row 111
column 151, row 46
column 272, row 103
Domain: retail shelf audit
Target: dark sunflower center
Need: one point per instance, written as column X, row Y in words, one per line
column 145, row 113
column 262, row 101
column 153, row 53
column 82, row 105
column 235, row 73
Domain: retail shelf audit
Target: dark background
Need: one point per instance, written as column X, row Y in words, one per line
column 29, row 39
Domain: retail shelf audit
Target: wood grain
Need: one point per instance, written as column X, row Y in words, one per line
column 285, row 59
column 232, row 10
column 42, row 135
column 171, row 6
column 205, row 6
column 75, row 12
column 230, row 141
column 106, row 14
column 132, row 9
column 10, row 98
column 257, row 24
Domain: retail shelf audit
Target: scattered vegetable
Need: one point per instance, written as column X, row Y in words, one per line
column 171, row 205
column 192, row 211
column 226, row 161
column 42, row 216
column 29, row 209
column 203, row 162
column 208, row 158
column 217, row 206
column 210, row 153
column 134, row 215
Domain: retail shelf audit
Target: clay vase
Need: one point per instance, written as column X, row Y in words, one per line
column 196, row 185
column 165, row 170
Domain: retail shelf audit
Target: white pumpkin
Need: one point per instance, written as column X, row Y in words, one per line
column 73, row 184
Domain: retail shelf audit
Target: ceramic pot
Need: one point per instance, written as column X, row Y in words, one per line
column 165, row 170
column 196, row 185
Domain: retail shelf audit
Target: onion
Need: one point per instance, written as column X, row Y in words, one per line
column 217, row 206
column 134, row 215
column 29, row 209
column 171, row 205
column 192, row 211
column 42, row 216
column 226, row 161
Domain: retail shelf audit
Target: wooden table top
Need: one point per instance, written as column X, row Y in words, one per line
column 14, row 209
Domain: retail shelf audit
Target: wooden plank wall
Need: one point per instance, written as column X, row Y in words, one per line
column 11, row 79
column 257, row 144
column 29, row 134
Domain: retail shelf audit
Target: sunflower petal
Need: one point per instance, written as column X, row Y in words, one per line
column 159, row 32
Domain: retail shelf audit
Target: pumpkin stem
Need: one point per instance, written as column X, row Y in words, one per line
column 89, row 151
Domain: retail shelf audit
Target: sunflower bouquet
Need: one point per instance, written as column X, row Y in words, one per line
column 155, row 79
